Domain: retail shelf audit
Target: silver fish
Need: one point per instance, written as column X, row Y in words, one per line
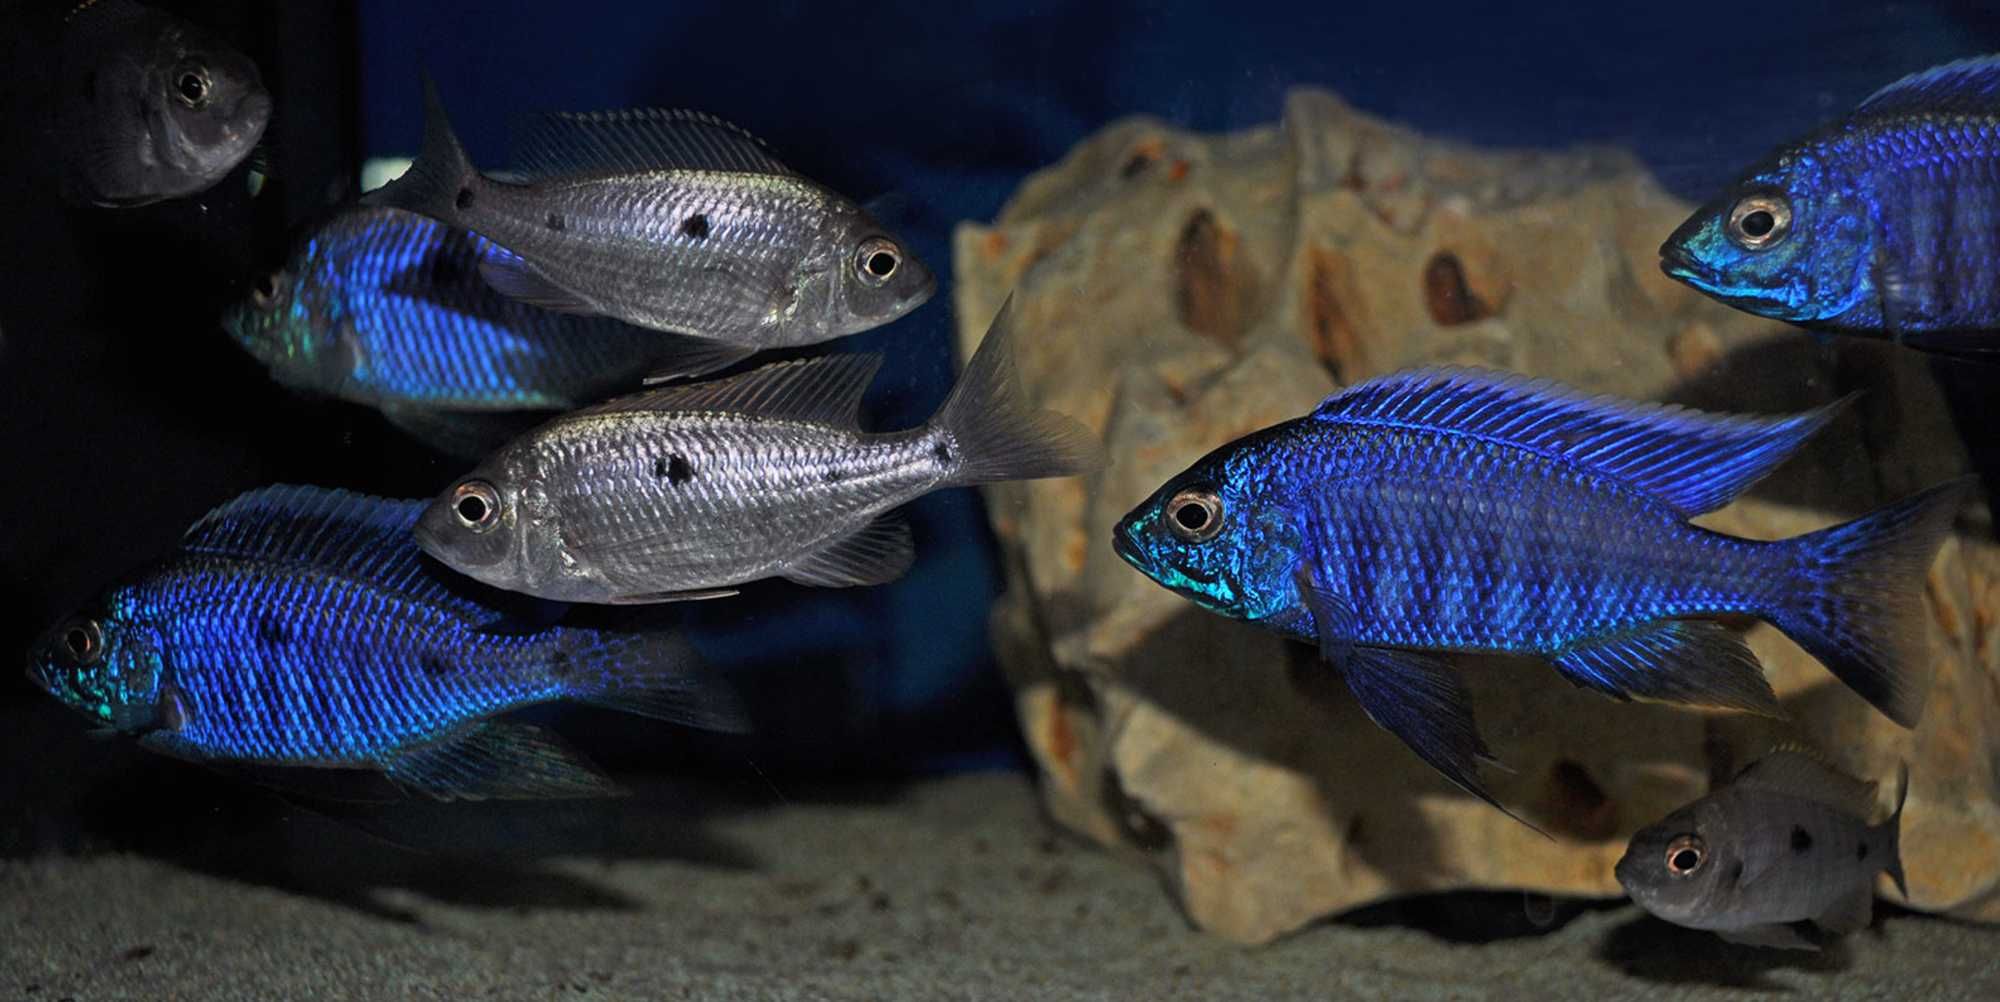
column 671, row 220
column 152, row 107
column 1787, row 841
column 687, row 491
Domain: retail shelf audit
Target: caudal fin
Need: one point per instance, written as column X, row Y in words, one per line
column 998, row 432
column 442, row 179
column 1855, row 598
column 652, row 673
column 1894, row 829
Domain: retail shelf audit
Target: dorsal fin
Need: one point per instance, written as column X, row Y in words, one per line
column 1793, row 771
column 1692, row 460
column 825, row 390
column 646, row 139
column 1966, row 86
column 342, row 532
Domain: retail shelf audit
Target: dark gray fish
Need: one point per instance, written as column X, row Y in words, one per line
column 688, row 491
column 670, row 220
column 152, row 107
column 1787, row 841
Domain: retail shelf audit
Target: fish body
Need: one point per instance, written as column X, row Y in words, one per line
column 1454, row 510
column 688, row 491
column 388, row 308
column 152, row 107
column 673, row 221
column 1788, row 841
column 301, row 627
column 1886, row 224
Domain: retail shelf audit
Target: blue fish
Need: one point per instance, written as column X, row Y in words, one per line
column 297, row 626
column 1885, row 224
column 388, row 309
column 1444, row 510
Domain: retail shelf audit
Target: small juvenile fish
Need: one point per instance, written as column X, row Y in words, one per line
column 688, row 491
column 387, row 308
column 297, row 626
column 1787, row 841
column 1458, row 510
column 152, row 107
column 670, row 220
column 1885, row 224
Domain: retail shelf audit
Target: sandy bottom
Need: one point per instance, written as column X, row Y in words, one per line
column 952, row 889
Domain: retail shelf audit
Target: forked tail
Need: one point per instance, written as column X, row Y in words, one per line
column 442, row 180
column 997, row 432
column 1855, row 598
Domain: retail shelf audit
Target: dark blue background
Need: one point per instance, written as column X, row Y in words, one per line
column 951, row 105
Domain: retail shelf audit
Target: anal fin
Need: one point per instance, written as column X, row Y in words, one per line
column 656, row 597
column 497, row 761
column 1852, row 912
column 1691, row 662
column 1775, row 936
column 876, row 553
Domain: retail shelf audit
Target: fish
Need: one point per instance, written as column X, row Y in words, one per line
column 387, row 309
column 1444, row 510
column 151, row 107
column 687, row 492
column 670, row 220
column 1885, row 224
column 1786, row 842
column 300, row 627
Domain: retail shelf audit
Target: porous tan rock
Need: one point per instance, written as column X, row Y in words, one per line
column 1181, row 290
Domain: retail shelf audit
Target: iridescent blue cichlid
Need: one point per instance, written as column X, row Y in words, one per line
column 388, row 309
column 1885, row 224
column 1459, row 510
column 297, row 626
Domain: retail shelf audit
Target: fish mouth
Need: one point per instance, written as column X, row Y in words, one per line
column 1681, row 266
column 1128, row 551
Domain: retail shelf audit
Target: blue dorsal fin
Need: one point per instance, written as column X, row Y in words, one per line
column 1691, row 460
column 824, row 390
column 639, row 140
column 339, row 531
column 1968, row 85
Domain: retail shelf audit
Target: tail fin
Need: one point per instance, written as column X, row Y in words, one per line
column 652, row 673
column 1855, row 595
column 442, row 176
column 1894, row 867
column 998, row 433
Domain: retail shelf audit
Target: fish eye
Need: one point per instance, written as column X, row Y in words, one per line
column 877, row 260
column 1758, row 222
column 1685, row 855
column 191, row 86
column 265, row 292
column 1195, row 514
column 477, row 505
column 83, row 641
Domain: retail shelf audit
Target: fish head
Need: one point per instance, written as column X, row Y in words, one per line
column 105, row 663
column 1791, row 242
column 1684, row 868
column 273, row 323
column 876, row 278
column 206, row 105
column 495, row 528
column 1215, row 536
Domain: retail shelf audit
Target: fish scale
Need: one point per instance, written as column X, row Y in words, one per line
column 302, row 627
column 1459, row 510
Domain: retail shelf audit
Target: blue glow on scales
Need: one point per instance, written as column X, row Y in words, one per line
column 1460, row 510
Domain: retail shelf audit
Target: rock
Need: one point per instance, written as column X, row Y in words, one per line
column 1184, row 289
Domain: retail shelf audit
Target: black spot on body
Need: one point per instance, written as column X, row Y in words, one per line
column 556, row 222
column 675, row 469
column 942, row 452
column 1735, row 874
column 433, row 664
column 464, row 199
column 1861, row 851
column 1802, row 840
column 833, row 475
column 695, row 227
column 272, row 632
